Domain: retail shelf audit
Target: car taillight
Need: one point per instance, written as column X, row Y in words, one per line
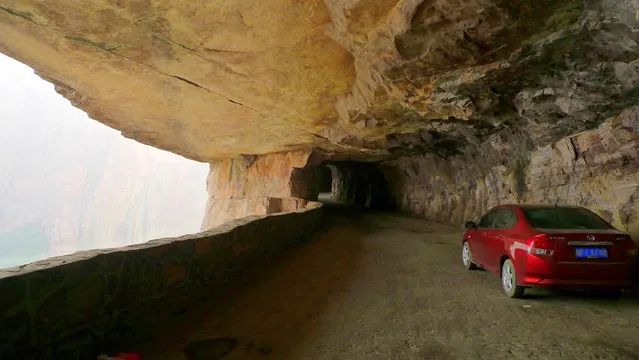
column 626, row 242
column 541, row 245
column 623, row 238
column 631, row 248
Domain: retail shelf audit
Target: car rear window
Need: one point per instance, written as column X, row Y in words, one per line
column 565, row 218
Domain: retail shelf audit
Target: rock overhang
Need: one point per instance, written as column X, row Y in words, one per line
column 358, row 78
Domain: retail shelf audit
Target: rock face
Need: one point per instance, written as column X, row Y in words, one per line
column 204, row 79
column 472, row 89
column 260, row 185
column 212, row 80
column 597, row 169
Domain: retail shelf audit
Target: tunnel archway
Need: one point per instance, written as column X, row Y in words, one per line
column 360, row 184
column 342, row 182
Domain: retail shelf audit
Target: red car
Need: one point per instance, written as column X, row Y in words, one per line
column 548, row 246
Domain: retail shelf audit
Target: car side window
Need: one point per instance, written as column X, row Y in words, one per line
column 513, row 219
column 486, row 221
column 505, row 219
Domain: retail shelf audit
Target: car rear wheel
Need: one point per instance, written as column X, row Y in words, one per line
column 467, row 257
column 509, row 280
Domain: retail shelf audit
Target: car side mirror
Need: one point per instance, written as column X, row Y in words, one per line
column 470, row 225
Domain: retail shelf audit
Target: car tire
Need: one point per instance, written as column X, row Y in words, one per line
column 509, row 280
column 467, row 257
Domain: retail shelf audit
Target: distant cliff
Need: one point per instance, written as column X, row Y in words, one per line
column 68, row 183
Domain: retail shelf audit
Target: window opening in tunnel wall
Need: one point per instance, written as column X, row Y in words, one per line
column 325, row 183
column 69, row 183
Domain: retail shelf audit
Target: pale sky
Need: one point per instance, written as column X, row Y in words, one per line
column 69, row 183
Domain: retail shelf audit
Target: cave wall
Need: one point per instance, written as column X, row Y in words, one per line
column 598, row 169
column 212, row 80
column 101, row 301
column 260, row 185
column 485, row 86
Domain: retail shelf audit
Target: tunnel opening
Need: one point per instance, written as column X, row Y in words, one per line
column 358, row 184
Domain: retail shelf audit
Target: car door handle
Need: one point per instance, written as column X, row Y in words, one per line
column 501, row 236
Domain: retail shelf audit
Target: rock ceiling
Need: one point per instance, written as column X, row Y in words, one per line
column 216, row 79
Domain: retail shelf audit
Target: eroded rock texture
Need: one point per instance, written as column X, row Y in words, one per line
column 212, row 80
column 597, row 169
column 457, row 90
column 262, row 185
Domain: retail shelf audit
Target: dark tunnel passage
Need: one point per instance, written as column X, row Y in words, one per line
column 358, row 184
column 326, row 179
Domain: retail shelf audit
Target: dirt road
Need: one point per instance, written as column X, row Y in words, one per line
column 388, row 287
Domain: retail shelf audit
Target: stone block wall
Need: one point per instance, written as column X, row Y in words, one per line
column 80, row 305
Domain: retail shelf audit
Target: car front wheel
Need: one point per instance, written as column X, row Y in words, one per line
column 509, row 280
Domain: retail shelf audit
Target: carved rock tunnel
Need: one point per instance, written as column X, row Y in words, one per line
column 461, row 107
column 430, row 108
column 288, row 181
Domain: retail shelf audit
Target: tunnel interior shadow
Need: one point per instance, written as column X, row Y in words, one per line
column 358, row 184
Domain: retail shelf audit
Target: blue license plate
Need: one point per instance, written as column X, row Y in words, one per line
column 591, row 253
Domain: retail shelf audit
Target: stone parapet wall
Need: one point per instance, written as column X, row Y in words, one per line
column 221, row 211
column 80, row 305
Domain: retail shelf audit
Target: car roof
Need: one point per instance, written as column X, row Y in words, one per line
column 539, row 206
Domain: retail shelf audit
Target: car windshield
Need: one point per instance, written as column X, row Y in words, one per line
column 565, row 218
